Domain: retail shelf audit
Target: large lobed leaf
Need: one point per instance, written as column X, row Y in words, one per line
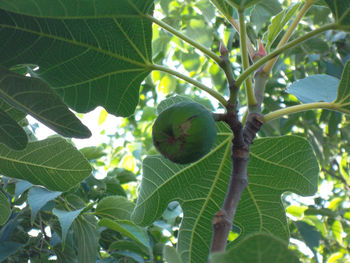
column 53, row 163
column 276, row 165
column 262, row 248
column 11, row 133
column 90, row 53
column 35, row 97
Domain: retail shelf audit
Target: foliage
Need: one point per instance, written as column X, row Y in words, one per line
column 136, row 58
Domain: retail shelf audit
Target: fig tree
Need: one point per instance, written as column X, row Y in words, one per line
column 184, row 132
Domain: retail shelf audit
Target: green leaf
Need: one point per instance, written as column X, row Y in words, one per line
column 310, row 235
column 263, row 11
column 128, row 229
column 122, row 175
column 262, row 248
column 132, row 255
column 171, row 255
column 93, row 152
column 278, row 23
column 67, row 8
column 21, row 187
column 14, row 113
column 35, row 97
column 5, row 208
column 38, row 197
column 91, row 54
column 242, row 4
column 315, row 88
column 223, row 6
column 276, row 165
column 7, row 248
column 341, row 12
column 11, row 133
column 66, row 219
column 342, row 102
column 65, row 254
column 86, row 236
column 337, row 230
column 126, row 245
column 53, row 163
column 115, row 207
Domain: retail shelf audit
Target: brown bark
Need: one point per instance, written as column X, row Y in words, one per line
column 243, row 138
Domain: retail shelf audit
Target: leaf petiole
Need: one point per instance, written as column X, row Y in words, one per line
column 299, row 108
column 194, row 82
column 185, row 38
column 243, row 47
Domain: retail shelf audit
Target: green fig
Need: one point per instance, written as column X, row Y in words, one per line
column 184, row 132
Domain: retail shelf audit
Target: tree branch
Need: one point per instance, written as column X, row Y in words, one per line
column 243, row 138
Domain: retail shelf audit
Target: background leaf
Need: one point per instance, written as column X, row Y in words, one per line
column 241, row 5
column 11, row 133
column 315, row 88
column 278, row 23
column 109, row 49
column 86, row 237
column 53, row 163
column 8, row 248
column 262, row 248
column 223, row 6
column 66, row 219
column 38, row 197
column 341, row 12
column 310, row 235
column 115, row 207
column 5, row 208
column 342, row 102
column 35, row 97
column 171, row 255
column 128, row 229
column 263, row 11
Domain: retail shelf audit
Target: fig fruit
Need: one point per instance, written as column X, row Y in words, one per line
column 184, row 132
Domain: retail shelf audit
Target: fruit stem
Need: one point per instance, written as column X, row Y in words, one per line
column 194, row 82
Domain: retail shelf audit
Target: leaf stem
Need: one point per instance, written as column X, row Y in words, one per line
column 194, row 82
column 299, row 108
column 267, row 68
column 280, row 50
column 245, row 60
column 193, row 43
